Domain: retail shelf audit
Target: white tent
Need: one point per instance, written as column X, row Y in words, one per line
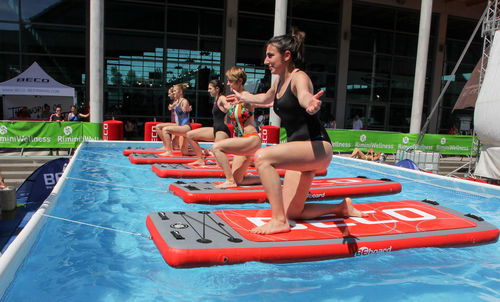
column 487, row 116
column 32, row 89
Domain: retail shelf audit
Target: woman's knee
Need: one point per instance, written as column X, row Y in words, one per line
column 165, row 131
column 295, row 212
column 261, row 158
column 217, row 147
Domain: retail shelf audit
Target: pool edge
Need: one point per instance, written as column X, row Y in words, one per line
column 16, row 252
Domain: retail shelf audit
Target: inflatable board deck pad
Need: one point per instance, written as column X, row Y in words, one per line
column 191, row 239
column 131, row 150
column 325, row 188
column 186, row 171
column 151, row 158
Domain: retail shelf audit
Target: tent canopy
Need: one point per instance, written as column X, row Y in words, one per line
column 35, row 81
column 31, row 90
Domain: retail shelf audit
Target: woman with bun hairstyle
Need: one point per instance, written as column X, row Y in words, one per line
column 308, row 147
column 219, row 131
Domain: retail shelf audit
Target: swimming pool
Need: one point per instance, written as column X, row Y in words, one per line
column 91, row 246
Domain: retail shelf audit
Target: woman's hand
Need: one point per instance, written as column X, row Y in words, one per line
column 315, row 103
column 173, row 104
column 234, row 98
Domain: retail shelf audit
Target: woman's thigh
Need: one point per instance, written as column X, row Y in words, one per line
column 239, row 145
column 220, row 135
column 178, row 130
column 204, row 133
column 296, row 156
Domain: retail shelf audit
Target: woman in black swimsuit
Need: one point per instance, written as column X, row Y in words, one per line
column 219, row 131
column 308, row 148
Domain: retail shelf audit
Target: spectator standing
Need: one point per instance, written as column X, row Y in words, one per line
column 74, row 116
column 45, row 113
column 357, row 124
column 57, row 116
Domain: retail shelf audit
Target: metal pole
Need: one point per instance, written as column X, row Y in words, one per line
column 96, row 76
column 280, row 13
column 421, row 65
column 471, row 152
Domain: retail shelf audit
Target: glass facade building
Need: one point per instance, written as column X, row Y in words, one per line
column 151, row 44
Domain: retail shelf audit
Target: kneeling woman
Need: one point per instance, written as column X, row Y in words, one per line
column 308, row 148
column 183, row 125
column 219, row 131
column 246, row 140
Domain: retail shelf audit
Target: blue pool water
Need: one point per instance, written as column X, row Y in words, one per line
column 107, row 259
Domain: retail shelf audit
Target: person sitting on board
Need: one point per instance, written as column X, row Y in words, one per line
column 246, row 140
column 182, row 114
column 308, row 148
column 173, row 120
column 357, row 153
column 219, row 131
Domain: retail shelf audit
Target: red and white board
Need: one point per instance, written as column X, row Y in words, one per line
column 151, row 158
column 131, row 150
column 324, row 188
column 204, row 238
column 186, row 171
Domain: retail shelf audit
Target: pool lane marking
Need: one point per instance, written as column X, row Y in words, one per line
column 128, row 166
column 117, row 185
column 98, row 226
column 105, row 155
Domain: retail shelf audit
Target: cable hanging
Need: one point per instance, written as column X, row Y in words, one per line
column 97, row 226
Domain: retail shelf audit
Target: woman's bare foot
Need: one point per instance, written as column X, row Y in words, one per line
column 349, row 210
column 166, row 154
column 226, row 184
column 272, row 227
column 187, row 153
column 207, row 153
column 199, row 162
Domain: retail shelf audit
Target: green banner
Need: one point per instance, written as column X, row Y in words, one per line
column 16, row 134
column 390, row 142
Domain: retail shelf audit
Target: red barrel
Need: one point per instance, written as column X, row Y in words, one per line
column 150, row 133
column 270, row 134
column 231, row 129
column 195, row 126
column 112, row 130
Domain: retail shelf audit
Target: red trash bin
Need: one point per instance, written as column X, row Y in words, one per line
column 112, row 130
column 195, row 126
column 150, row 133
column 270, row 134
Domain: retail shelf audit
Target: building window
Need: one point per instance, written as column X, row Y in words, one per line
column 382, row 65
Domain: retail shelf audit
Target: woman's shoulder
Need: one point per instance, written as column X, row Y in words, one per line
column 300, row 79
column 300, row 75
column 221, row 98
